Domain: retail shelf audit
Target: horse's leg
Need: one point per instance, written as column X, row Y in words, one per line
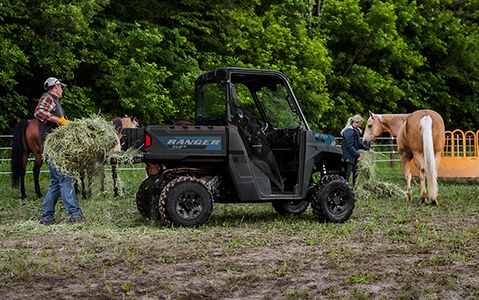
column 32, row 142
column 22, row 174
column 75, row 186
column 36, row 173
column 406, row 170
column 419, row 162
column 82, row 180
column 101, row 167
column 114, row 175
column 90, row 173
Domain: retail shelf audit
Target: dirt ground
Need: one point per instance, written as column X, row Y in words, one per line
column 240, row 263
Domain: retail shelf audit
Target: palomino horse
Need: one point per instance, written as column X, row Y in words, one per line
column 420, row 136
column 26, row 140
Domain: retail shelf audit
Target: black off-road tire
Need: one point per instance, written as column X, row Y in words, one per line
column 147, row 198
column 291, row 207
column 186, row 201
column 332, row 199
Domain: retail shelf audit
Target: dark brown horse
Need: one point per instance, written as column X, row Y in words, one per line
column 420, row 137
column 26, row 140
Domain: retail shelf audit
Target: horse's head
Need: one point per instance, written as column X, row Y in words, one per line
column 374, row 128
column 121, row 123
column 129, row 122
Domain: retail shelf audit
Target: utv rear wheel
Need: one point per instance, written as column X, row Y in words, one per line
column 186, row 201
column 333, row 199
column 147, row 198
column 291, row 207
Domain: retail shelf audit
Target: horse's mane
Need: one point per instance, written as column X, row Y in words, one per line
column 391, row 123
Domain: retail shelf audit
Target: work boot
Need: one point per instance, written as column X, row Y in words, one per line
column 47, row 222
column 75, row 220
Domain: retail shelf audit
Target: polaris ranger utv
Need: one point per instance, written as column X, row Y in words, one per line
column 249, row 142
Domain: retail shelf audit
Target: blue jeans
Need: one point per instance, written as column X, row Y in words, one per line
column 60, row 185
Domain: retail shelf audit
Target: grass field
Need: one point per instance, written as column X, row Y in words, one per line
column 390, row 248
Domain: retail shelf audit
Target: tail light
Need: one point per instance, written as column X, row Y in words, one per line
column 147, row 140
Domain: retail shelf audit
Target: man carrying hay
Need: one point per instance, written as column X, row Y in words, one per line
column 50, row 114
column 351, row 144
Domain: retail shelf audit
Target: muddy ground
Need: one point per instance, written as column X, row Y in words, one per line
column 298, row 260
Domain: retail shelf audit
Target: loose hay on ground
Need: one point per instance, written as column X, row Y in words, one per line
column 368, row 185
column 80, row 144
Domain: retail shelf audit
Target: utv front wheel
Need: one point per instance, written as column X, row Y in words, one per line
column 333, row 199
column 186, row 201
column 291, row 207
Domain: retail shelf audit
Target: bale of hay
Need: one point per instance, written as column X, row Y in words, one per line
column 80, row 144
column 367, row 184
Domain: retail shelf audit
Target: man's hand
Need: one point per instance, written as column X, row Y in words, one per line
column 62, row 121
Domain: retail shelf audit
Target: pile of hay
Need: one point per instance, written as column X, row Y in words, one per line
column 80, row 144
column 368, row 186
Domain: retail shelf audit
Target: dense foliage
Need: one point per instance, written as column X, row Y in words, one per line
column 141, row 57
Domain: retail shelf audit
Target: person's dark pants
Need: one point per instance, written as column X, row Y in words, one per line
column 351, row 168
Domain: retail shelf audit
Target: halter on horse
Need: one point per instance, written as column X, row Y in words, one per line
column 420, row 137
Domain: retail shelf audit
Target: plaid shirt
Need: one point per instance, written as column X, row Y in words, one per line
column 45, row 107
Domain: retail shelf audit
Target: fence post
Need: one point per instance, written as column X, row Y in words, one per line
column 391, row 153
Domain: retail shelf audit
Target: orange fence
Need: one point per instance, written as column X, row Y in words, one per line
column 460, row 158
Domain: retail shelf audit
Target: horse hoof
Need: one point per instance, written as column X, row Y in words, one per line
column 434, row 202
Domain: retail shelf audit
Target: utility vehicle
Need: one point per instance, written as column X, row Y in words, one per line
column 249, row 142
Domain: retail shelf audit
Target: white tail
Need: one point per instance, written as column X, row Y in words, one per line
column 429, row 157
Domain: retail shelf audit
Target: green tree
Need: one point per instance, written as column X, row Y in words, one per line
column 14, row 62
column 342, row 57
column 447, row 35
column 399, row 56
column 371, row 59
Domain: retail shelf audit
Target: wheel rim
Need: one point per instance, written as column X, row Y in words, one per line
column 337, row 202
column 189, row 205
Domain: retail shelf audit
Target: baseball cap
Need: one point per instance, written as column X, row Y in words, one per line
column 51, row 81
